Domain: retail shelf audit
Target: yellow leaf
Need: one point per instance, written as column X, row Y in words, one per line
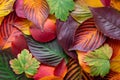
column 84, row 66
column 6, row 6
column 115, row 4
column 94, row 3
column 115, row 64
column 51, row 78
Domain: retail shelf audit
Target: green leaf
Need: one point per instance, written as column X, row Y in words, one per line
column 99, row 60
column 50, row 53
column 24, row 63
column 6, row 72
column 61, row 8
column 81, row 12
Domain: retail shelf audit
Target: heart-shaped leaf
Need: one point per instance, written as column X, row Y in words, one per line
column 6, row 6
column 65, row 34
column 108, row 21
column 36, row 11
column 87, row 37
column 8, row 31
column 99, row 60
column 81, row 12
column 24, row 63
column 61, row 8
column 48, row 53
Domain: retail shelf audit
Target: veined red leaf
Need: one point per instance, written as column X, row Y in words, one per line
column 7, row 31
column 107, row 20
column 36, row 11
column 87, row 37
column 47, row 53
column 19, row 8
column 65, row 34
column 75, row 72
column 23, row 25
column 106, row 2
column 18, row 45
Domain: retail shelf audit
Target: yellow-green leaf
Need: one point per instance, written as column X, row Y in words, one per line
column 6, row 6
column 24, row 63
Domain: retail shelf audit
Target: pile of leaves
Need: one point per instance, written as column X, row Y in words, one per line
column 59, row 40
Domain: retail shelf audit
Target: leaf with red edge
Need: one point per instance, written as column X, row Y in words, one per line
column 43, row 71
column 87, row 37
column 107, row 20
column 19, row 8
column 7, row 31
column 61, row 69
column 65, row 34
column 36, row 11
column 18, row 45
column 106, row 2
column 47, row 34
column 23, row 25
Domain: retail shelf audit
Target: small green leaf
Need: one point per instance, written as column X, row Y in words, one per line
column 61, row 8
column 99, row 60
column 24, row 63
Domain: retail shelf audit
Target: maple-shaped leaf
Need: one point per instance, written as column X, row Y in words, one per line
column 6, row 6
column 8, row 31
column 36, row 11
column 81, row 12
column 87, row 37
column 115, row 4
column 61, row 8
column 23, row 25
column 65, row 34
column 107, row 20
column 24, row 63
column 99, row 60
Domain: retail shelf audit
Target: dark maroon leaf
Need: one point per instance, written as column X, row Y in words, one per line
column 108, row 21
column 65, row 34
column 106, row 2
column 87, row 37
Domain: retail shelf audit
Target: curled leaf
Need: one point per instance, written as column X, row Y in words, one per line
column 87, row 37
column 99, row 60
column 25, row 63
column 36, row 11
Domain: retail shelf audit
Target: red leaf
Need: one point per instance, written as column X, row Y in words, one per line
column 87, row 37
column 44, row 71
column 60, row 69
column 47, row 34
column 36, row 11
column 106, row 2
column 65, row 34
column 18, row 45
column 7, row 31
column 19, row 8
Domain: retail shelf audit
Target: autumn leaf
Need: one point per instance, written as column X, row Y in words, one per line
column 61, row 8
column 25, row 63
column 36, row 11
column 81, row 11
column 1, row 19
column 99, row 60
column 95, row 3
column 6, row 6
column 106, row 2
column 115, row 4
column 87, row 37
column 107, row 20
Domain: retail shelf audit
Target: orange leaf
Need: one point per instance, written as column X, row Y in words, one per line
column 115, row 4
column 1, row 19
column 51, row 78
column 7, row 31
column 36, row 11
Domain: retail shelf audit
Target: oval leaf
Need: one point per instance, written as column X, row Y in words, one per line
column 65, row 34
column 36, row 11
column 48, row 53
column 87, row 37
column 108, row 21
